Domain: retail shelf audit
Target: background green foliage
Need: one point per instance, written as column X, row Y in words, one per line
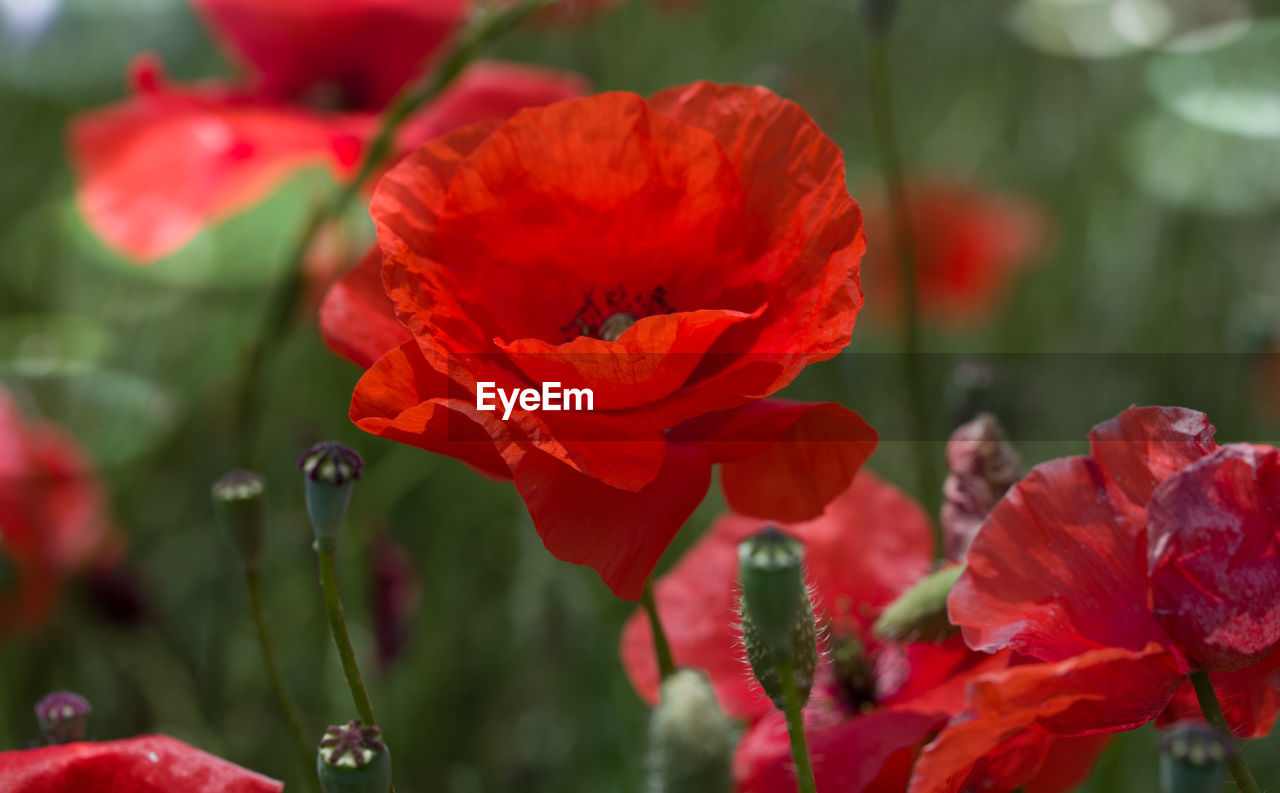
column 1164, row 208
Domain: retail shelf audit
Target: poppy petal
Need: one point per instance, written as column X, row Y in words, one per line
column 1098, row 691
column 1249, row 698
column 357, row 319
column 147, row 764
column 1142, row 446
column 618, row 533
column 1056, row 570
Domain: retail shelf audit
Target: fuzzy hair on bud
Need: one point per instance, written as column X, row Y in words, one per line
column 691, row 740
column 779, row 630
column 920, row 613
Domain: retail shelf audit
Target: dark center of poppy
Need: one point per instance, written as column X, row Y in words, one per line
column 327, row 96
column 608, row 317
column 855, row 673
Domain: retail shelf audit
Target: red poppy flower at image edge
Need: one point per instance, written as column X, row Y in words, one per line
column 874, row 704
column 158, row 167
column 52, row 516
column 969, row 246
column 147, row 764
column 682, row 257
column 1122, row 571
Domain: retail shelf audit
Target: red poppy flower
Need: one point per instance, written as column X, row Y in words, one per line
column 1123, row 571
column 159, row 166
column 968, row 245
column 52, row 516
column 147, row 764
column 681, row 257
column 875, row 704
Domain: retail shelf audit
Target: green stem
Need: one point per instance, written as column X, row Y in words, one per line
column 288, row 708
column 483, row 30
column 661, row 647
column 1213, row 714
column 891, row 170
column 794, row 712
column 341, row 638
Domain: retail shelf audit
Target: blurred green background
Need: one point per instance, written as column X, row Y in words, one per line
column 1156, row 155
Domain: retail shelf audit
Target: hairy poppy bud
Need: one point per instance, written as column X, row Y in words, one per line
column 353, row 759
column 331, row 470
column 920, row 613
column 62, row 716
column 1193, row 758
column 981, row 467
column 778, row 628
column 239, row 503
column 691, row 740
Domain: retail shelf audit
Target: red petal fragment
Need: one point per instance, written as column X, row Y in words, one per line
column 1248, row 697
column 1068, row 763
column 357, row 319
column 1214, row 539
column 147, row 764
column 1140, row 447
column 1056, row 570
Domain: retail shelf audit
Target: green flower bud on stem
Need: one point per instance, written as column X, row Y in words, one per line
column 353, row 759
column 1193, row 758
column 920, row 613
column 331, row 471
column 778, row 626
column 63, row 716
column 691, row 740
column 240, row 505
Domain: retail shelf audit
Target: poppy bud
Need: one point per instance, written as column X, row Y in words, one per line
column 62, row 716
column 239, row 503
column 353, row 759
column 691, row 741
column 981, row 467
column 778, row 628
column 1193, row 758
column 920, row 613
column 331, row 469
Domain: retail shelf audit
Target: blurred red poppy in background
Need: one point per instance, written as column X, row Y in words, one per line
column 1124, row 571
column 147, row 764
column 169, row 160
column 52, row 516
column 969, row 246
column 681, row 257
column 875, row 703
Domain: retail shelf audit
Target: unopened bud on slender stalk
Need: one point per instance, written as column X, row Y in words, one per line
column 1193, row 758
column 239, row 502
column 353, row 759
column 331, row 471
column 920, row 613
column 778, row 628
column 63, row 716
column 691, row 740
column 981, row 467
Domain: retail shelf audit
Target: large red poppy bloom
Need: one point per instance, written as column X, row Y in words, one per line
column 969, row 246
column 682, row 257
column 159, row 166
column 875, row 704
column 147, row 764
column 1123, row 571
column 52, row 516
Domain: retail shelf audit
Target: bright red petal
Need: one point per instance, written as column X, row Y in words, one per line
column 362, row 51
column 1214, row 530
column 1068, row 763
column 1248, row 697
column 872, row 543
column 783, row 460
column 1140, row 447
column 1099, row 691
column 1056, row 570
column 357, row 319
column 620, row 534
column 148, row 764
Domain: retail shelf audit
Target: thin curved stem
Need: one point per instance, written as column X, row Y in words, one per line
column 1213, row 714
column 794, row 711
column 484, row 29
column 288, row 708
column 891, row 171
column 661, row 647
column 341, row 638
